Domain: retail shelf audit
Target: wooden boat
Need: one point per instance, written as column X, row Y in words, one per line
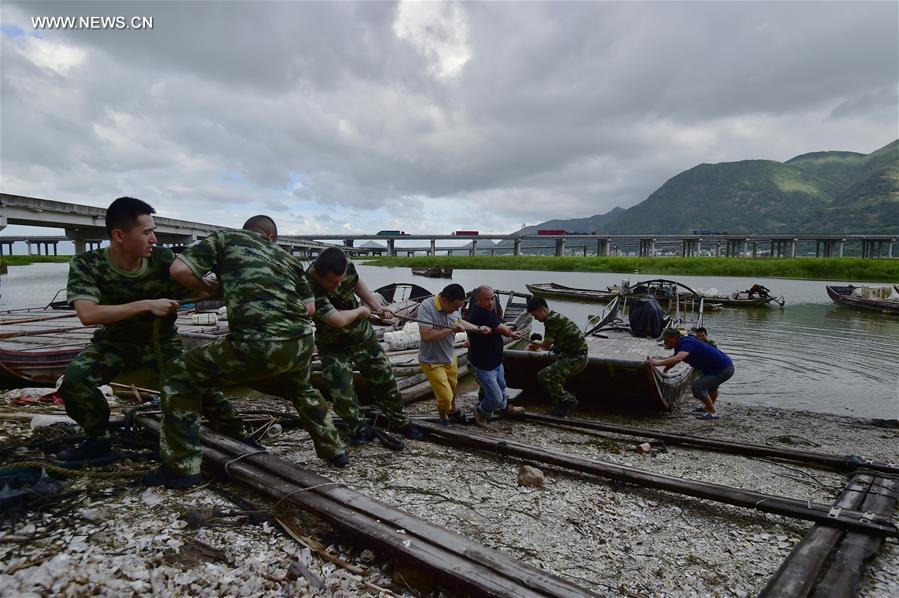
column 867, row 298
column 659, row 288
column 617, row 376
column 433, row 272
column 552, row 290
column 37, row 344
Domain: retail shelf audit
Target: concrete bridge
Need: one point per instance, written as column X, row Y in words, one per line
column 778, row 245
column 85, row 226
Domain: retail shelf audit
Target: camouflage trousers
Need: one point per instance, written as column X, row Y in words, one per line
column 371, row 361
column 279, row 368
column 103, row 360
column 552, row 378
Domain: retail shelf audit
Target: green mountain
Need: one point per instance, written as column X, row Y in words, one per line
column 826, row 192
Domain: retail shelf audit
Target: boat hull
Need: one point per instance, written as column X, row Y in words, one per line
column 842, row 296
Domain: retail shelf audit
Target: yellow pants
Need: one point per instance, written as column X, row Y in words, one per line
column 443, row 378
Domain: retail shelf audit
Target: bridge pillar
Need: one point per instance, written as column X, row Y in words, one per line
column 391, row 247
column 560, row 247
column 517, row 247
column 890, row 247
column 793, row 245
column 474, row 247
column 433, row 247
column 602, row 246
column 348, row 242
column 755, row 249
column 841, row 243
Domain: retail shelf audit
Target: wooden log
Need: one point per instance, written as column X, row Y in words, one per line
column 851, row 558
column 838, row 462
column 455, row 560
column 768, row 503
column 797, row 575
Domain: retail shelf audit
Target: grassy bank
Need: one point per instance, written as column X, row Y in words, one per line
column 24, row 260
column 850, row 269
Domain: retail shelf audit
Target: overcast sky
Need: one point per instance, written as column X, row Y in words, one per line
column 429, row 117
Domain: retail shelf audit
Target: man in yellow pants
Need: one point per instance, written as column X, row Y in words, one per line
column 436, row 352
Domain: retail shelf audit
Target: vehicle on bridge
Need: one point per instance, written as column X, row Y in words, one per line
column 707, row 231
column 392, row 233
column 466, row 233
column 552, row 231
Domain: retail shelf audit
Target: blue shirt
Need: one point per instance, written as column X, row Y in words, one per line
column 705, row 358
column 486, row 350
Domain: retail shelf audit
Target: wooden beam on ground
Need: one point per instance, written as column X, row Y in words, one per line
column 841, row 463
column 797, row 575
column 789, row 507
column 848, row 565
column 456, row 561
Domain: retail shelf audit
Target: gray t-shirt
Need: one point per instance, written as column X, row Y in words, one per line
column 437, row 352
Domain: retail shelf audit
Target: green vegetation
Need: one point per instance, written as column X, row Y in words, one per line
column 850, row 269
column 24, row 260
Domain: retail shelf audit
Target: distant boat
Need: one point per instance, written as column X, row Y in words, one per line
column 433, row 272
column 882, row 299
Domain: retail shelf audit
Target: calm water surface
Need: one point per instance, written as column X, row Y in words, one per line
column 809, row 355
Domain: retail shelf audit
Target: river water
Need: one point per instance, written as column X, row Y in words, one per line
column 808, row 355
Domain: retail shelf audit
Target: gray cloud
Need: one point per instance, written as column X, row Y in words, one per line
column 322, row 112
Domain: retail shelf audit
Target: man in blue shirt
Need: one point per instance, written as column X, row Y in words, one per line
column 714, row 367
column 485, row 356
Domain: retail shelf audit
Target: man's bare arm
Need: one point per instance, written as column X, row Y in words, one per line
column 92, row 314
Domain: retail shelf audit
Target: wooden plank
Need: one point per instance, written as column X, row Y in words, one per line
column 790, row 507
column 839, row 462
column 857, row 549
column 457, row 561
column 799, row 572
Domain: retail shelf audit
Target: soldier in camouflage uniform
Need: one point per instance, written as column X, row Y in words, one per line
column 126, row 289
column 346, row 341
column 269, row 346
column 568, row 342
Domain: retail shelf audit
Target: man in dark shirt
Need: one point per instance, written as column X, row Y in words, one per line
column 485, row 356
column 714, row 367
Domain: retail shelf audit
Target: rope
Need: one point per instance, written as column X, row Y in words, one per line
column 239, row 457
column 299, row 490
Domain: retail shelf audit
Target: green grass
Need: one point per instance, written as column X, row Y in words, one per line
column 854, row 269
column 24, row 260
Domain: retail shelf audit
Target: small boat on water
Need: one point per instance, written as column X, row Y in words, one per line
column 552, row 290
column 445, row 272
column 617, row 376
column 884, row 299
column 661, row 289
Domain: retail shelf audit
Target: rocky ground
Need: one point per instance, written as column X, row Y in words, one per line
column 113, row 538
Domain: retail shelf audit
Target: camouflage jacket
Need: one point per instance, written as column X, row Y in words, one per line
column 93, row 277
column 327, row 302
column 567, row 338
column 265, row 287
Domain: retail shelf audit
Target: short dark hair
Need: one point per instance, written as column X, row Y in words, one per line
column 124, row 212
column 261, row 224
column 671, row 333
column 535, row 303
column 331, row 261
column 701, row 329
column 453, row 292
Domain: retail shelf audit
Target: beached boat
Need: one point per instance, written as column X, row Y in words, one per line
column 37, row 344
column 617, row 376
column 433, row 272
column 884, row 299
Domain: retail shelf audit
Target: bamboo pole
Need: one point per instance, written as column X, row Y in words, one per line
column 838, row 462
column 790, row 507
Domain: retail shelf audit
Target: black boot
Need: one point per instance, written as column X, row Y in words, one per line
column 171, row 480
column 91, row 448
column 362, row 436
column 564, row 408
column 339, row 460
